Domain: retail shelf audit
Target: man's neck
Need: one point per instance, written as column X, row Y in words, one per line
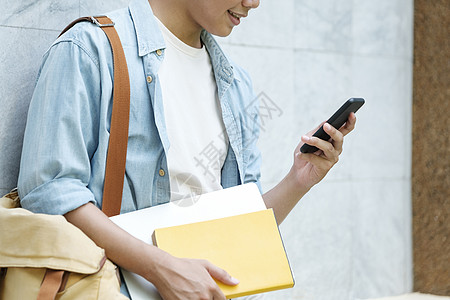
column 176, row 18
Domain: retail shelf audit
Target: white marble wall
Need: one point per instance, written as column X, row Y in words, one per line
column 27, row 28
column 350, row 237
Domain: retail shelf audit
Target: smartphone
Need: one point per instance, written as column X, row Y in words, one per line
column 337, row 120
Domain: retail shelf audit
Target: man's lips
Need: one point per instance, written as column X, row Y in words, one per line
column 237, row 15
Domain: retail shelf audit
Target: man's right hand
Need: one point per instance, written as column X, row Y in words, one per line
column 175, row 278
column 181, row 278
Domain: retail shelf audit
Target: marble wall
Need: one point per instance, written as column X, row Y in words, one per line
column 27, row 29
column 350, row 237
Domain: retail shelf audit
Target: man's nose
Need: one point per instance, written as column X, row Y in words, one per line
column 250, row 3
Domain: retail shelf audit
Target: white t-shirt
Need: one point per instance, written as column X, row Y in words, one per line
column 198, row 140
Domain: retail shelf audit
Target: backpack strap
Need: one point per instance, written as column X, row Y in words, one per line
column 118, row 139
column 51, row 284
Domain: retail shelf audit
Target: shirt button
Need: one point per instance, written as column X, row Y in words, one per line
column 149, row 79
column 161, row 172
column 159, row 52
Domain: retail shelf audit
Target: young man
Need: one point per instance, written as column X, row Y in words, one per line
column 185, row 94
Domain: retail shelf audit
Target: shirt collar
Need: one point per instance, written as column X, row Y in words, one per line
column 221, row 64
column 149, row 37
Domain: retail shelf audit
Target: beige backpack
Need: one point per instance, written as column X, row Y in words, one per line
column 46, row 257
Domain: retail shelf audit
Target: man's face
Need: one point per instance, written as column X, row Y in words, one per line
column 220, row 16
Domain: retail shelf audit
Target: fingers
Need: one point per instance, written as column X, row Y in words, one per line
column 321, row 164
column 349, row 125
column 184, row 278
column 337, row 139
column 310, row 168
column 330, row 149
column 220, row 274
column 335, row 135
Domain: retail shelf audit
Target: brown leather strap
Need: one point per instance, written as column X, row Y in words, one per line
column 118, row 139
column 51, row 284
column 88, row 19
column 55, row 281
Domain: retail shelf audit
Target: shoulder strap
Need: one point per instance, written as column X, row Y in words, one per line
column 118, row 139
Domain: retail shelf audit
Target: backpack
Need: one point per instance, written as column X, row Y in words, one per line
column 38, row 261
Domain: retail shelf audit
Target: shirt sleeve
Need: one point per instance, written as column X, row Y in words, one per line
column 253, row 154
column 61, row 134
column 250, row 134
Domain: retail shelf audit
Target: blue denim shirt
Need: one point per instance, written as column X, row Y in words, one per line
column 66, row 138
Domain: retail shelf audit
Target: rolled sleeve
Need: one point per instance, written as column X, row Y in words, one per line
column 57, row 197
column 61, row 134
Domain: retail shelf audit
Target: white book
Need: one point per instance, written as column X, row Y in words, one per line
column 220, row 204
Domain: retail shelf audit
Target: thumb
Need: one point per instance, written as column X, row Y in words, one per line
column 220, row 274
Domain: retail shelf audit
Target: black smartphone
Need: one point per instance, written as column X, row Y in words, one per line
column 337, row 120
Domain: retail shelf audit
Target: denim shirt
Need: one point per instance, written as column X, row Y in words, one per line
column 66, row 137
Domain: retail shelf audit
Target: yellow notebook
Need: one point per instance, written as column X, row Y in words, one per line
column 248, row 247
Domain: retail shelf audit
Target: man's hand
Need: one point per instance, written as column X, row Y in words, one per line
column 180, row 278
column 308, row 168
column 311, row 168
column 174, row 278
